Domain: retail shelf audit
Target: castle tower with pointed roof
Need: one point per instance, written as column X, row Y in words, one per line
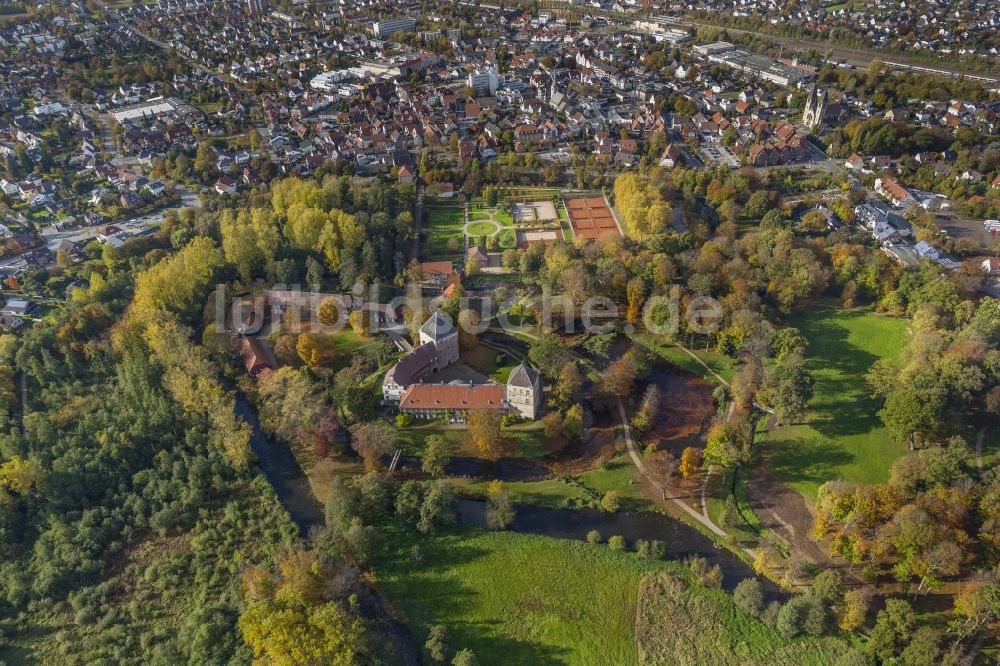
column 524, row 391
column 440, row 331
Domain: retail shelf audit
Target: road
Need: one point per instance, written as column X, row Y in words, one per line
column 81, row 235
column 52, row 237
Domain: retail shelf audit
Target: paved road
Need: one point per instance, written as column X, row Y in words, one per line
column 52, row 237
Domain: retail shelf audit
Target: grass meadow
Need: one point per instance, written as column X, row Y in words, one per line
column 575, row 491
column 524, row 442
column 515, row 598
column 525, row 599
column 722, row 365
column 842, row 436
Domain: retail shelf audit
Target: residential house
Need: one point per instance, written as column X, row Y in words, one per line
column 891, row 189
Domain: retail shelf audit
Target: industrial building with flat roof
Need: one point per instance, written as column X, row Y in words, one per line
column 153, row 108
column 760, row 66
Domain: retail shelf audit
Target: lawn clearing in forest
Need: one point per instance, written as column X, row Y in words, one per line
column 842, row 436
column 516, row 598
column 525, row 599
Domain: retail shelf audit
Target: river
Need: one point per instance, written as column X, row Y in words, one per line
column 290, row 484
column 283, row 472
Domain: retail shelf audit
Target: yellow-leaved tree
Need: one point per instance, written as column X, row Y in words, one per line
column 18, row 478
column 250, row 238
column 291, row 618
column 643, row 209
column 180, row 284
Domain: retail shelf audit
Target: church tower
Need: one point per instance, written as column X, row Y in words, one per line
column 816, row 104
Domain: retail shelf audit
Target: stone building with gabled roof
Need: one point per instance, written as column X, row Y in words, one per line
column 524, row 391
column 441, row 333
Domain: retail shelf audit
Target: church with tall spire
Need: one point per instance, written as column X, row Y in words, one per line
column 817, row 106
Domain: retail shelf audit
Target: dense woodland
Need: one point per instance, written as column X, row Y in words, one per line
column 130, row 509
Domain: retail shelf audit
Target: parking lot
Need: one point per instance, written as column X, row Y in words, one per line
column 716, row 154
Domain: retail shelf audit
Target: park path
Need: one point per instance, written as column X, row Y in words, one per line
column 703, row 364
column 465, row 236
column 795, row 534
column 637, row 461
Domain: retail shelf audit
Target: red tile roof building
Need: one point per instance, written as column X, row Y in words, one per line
column 430, row 400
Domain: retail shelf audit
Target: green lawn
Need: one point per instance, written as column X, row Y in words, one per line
column 210, row 107
column 347, row 341
column 552, row 493
column 505, row 219
column 482, row 228
column 497, row 365
column 618, row 476
column 532, row 193
column 577, row 491
column 564, row 222
column 525, row 599
column 723, row 366
column 443, row 224
column 517, row 599
column 843, row 437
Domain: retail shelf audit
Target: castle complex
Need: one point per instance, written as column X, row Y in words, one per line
column 405, row 383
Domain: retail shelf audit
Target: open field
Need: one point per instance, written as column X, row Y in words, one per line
column 517, row 599
column 524, row 599
column 681, row 623
column 842, row 437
